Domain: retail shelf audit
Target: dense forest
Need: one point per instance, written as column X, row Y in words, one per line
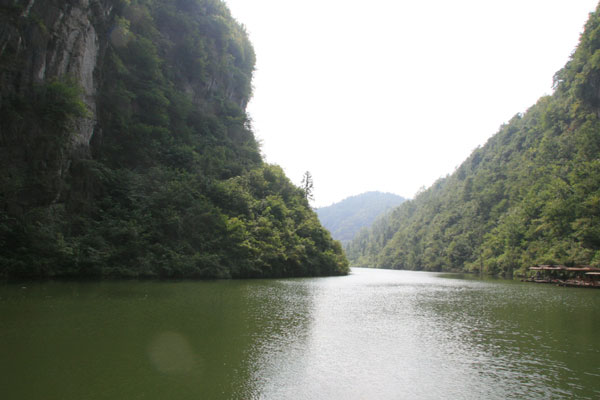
column 346, row 218
column 126, row 151
column 530, row 195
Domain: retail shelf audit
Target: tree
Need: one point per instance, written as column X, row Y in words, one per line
column 307, row 186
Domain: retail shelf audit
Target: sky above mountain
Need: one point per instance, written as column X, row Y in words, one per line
column 391, row 95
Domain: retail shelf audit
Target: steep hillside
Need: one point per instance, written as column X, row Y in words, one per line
column 345, row 218
column 530, row 195
column 125, row 148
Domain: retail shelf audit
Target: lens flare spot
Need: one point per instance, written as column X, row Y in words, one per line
column 171, row 353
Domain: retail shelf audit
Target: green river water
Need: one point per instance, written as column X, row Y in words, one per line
column 374, row 334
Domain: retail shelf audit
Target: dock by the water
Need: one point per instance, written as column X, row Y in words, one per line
column 561, row 275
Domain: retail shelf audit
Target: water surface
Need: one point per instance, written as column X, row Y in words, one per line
column 375, row 334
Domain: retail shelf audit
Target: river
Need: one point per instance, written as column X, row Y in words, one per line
column 375, row 334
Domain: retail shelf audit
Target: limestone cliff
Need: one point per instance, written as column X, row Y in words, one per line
column 125, row 148
column 64, row 41
column 43, row 42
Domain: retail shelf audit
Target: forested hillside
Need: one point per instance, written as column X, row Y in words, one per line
column 530, row 195
column 125, row 148
column 347, row 217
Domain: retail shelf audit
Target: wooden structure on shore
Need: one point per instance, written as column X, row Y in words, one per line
column 578, row 276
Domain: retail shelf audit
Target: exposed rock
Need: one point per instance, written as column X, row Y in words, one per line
column 43, row 41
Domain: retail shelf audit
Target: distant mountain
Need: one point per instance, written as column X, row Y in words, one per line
column 346, row 218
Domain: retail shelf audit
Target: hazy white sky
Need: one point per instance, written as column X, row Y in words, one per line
column 391, row 95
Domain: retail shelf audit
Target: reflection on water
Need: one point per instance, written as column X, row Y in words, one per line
column 396, row 334
column 371, row 335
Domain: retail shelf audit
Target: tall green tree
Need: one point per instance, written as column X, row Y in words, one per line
column 307, row 186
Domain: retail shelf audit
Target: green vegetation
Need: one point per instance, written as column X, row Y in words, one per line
column 346, row 218
column 530, row 195
column 173, row 184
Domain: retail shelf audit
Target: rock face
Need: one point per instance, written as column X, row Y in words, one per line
column 48, row 41
column 53, row 40
column 43, row 42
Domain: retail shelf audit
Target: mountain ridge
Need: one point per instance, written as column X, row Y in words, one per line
column 347, row 217
column 529, row 195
